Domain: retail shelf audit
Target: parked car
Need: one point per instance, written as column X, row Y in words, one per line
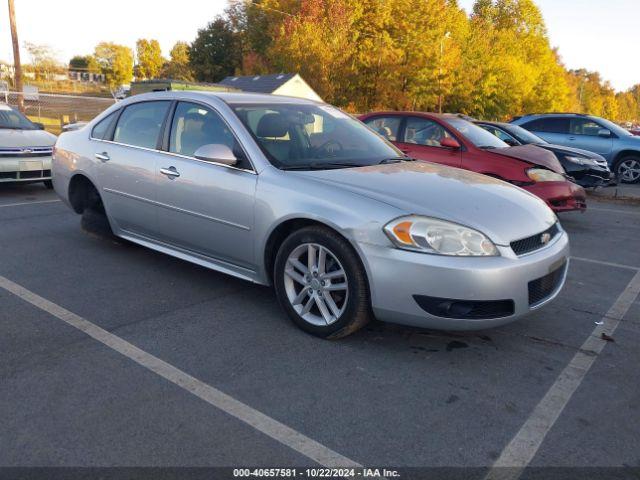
column 635, row 131
column 25, row 149
column 585, row 168
column 298, row 194
column 454, row 141
column 617, row 145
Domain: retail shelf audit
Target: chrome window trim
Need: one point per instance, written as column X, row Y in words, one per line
column 253, row 172
column 169, row 125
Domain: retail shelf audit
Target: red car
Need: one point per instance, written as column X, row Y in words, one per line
column 452, row 140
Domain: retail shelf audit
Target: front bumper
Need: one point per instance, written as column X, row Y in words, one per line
column 399, row 278
column 560, row 196
column 34, row 169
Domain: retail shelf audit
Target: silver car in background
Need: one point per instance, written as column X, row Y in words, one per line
column 25, row 149
column 297, row 194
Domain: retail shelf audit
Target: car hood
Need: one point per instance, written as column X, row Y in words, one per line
column 571, row 151
column 26, row 138
column 496, row 208
column 532, row 154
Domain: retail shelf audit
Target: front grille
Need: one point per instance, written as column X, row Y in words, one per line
column 542, row 288
column 26, row 152
column 6, row 175
column 31, row 174
column 535, row 242
column 465, row 309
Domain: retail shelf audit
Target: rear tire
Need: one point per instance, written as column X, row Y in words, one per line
column 48, row 184
column 94, row 218
column 627, row 169
column 329, row 300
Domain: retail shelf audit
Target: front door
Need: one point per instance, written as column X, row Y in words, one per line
column 421, row 139
column 585, row 134
column 205, row 208
column 127, row 167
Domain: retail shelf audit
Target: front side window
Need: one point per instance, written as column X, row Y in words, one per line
column 388, row 127
column 141, row 123
column 299, row 136
column 584, row 126
column 13, row 120
column 194, row 126
column 422, row 131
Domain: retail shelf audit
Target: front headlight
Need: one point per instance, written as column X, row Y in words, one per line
column 544, row 175
column 580, row 160
column 430, row 235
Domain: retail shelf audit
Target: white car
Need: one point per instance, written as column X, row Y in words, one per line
column 25, row 149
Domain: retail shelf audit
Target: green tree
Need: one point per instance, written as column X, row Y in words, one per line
column 178, row 66
column 150, row 59
column 116, row 63
column 85, row 63
column 216, row 51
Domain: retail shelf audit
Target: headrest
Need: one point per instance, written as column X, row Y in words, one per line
column 272, row 125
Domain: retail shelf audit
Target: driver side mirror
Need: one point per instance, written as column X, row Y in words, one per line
column 511, row 142
column 603, row 132
column 39, row 126
column 217, row 153
column 451, row 143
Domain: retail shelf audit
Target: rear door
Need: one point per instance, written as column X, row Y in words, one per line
column 127, row 165
column 420, row 138
column 205, row 207
column 554, row 130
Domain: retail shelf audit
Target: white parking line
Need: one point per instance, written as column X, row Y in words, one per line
column 261, row 422
column 608, row 264
column 523, row 447
column 28, row 203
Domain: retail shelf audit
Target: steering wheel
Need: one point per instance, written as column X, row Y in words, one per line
column 331, row 148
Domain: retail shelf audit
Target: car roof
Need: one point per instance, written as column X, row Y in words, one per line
column 227, row 97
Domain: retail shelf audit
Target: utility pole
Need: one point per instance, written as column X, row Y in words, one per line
column 441, row 60
column 17, row 66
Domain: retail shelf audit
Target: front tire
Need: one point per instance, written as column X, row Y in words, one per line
column 627, row 169
column 321, row 283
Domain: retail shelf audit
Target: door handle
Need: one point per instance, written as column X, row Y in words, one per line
column 170, row 172
column 103, row 157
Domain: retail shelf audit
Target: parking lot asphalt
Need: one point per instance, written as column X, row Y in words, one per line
column 388, row 395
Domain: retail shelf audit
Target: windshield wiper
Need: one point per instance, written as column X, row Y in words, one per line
column 395, row 160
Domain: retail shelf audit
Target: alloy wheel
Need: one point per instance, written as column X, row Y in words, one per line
column 629, row 170
column 316, row 284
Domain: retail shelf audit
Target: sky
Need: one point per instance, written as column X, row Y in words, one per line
column 594, row 34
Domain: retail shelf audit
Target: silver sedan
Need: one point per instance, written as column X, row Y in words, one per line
column 299, row 195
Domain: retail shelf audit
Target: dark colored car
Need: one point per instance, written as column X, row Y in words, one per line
column 451, row 140
column 586, row 168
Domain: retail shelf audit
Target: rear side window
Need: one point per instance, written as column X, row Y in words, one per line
column 101, row 130
column 140, row 124
column 548, row 125
column 388, row 127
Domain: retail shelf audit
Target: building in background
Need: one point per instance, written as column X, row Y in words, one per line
column 289, row 84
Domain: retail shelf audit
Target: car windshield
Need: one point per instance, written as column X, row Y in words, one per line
column 303, row 137
column 523, row 135
column 618, row 130
column 11, row 119
column 475, row 134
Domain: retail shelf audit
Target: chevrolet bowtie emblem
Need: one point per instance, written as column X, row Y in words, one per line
column 545, row 238
column 27, row 150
